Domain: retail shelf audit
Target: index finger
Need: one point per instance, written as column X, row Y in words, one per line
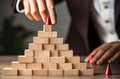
column 51, row 10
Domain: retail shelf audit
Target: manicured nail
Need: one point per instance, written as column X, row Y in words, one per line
column 98, row 62
column 109, row 61
column 86, row 60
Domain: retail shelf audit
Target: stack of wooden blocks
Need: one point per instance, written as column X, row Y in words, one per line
column 47, row 55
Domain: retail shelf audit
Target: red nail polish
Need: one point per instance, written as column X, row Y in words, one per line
column 108, row 70
column 48, row 22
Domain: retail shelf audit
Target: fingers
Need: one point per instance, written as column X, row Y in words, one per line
column 51, row 10
column 115, row 57
column 97, row 53
column 42, row 9
column 110, row 52
column 34, row 10
column 26, row 4
column 93, row 53
column 105, row 52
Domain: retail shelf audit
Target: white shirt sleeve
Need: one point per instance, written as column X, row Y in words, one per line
column 17, row 7
column 105, row 20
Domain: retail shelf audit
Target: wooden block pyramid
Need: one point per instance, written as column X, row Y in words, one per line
column 47, row 55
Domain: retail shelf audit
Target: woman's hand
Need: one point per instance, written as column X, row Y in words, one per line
column 40, row 9
column 109, row 52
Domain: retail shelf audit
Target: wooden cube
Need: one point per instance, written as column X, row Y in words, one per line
column 47, row 28
column 42, row 53
column 48, row 47
column 66, row 53
column 31, row 46
column 25, row 72
column 71, row 72
column 9, row 72
column 75, row 59
column 80, row 66
column 56, row 40
column 86, row 72
column 49, row 65
column 16, row 65
column 41, row 40
column 57, row 59
column 34, row 66
column 35, row 46
column 64, row 65
column 40, row 72
column 47, row 34
column 24, row 59
column 55, row 72
column 62, row 47
column 29, row 52
column 42, row 60
column 38, row 46
column 54, row 53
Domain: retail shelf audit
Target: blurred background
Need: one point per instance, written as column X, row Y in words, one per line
column 17, row 31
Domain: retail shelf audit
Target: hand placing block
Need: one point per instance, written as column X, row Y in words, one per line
column 9, row 72
column 47, row 34
column 41, row 40
column 25, row 72
column 40, row 72
column 48, row 55
column 34, row 66
column 66, row 53
column 56, row 40
column 17, row 65
column 71, row 72
column 24, row 59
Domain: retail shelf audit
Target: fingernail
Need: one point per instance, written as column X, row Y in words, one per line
column 110, row 61
column 53, row 22
column 86, row 60
column 98, row 62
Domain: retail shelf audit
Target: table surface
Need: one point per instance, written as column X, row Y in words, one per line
column 5, row 61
